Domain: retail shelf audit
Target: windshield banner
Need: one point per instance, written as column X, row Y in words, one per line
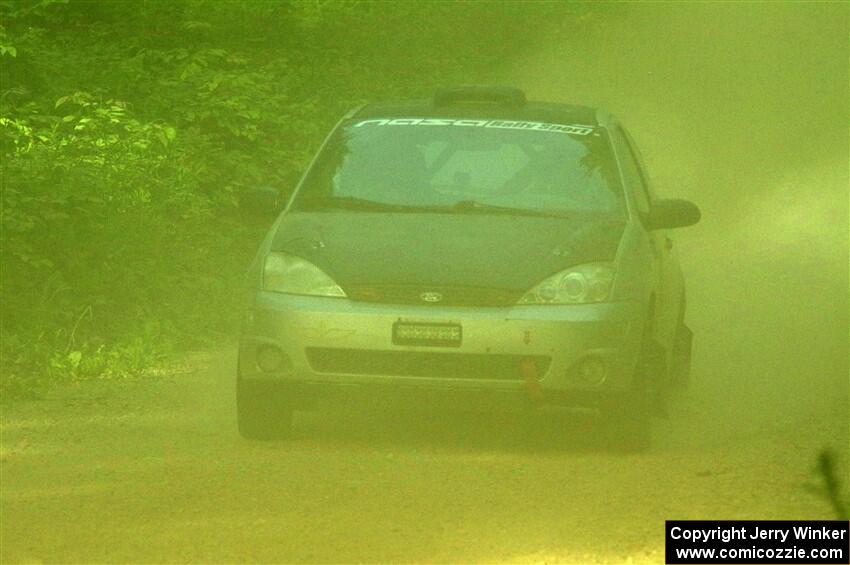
column 571, row 129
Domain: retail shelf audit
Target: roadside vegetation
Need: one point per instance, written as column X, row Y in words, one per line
column 129, row 129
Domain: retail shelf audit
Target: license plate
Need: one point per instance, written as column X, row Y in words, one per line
column 438, row 335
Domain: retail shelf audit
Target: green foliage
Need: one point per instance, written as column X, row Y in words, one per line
column 127, row 130
column 829, row 486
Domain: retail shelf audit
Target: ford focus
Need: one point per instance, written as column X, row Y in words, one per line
column 474, row 246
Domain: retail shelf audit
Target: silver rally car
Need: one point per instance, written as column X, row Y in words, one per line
column 476, row 247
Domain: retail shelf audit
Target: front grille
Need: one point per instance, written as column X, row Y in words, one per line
column 449, row 296
column 423, row 364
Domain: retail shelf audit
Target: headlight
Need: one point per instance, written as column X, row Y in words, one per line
column 583, row 284
column 294, row 275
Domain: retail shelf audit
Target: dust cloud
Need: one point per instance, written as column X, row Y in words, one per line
column 742, row 108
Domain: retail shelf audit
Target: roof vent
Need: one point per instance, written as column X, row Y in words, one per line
column 500, row 95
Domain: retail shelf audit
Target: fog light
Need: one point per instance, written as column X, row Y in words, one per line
column 592, row 371
column 270, row 358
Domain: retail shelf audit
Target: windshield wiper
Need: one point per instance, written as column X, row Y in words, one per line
column 476, row 206
column 351, row 203
column 462, row 207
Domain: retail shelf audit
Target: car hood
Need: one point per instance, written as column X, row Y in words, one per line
column 511, row 253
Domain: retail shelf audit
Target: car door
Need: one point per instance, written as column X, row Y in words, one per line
column 665, row 267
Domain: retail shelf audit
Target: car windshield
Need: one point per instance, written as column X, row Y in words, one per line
column 465, row 166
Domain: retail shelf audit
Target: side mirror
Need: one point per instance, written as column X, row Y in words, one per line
column 672, row 213
column 262, row 203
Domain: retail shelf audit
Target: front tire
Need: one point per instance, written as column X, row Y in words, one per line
column 681, row 358
column 263, row 410
column 629, row 417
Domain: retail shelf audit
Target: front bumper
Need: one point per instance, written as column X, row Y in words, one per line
column 332, row 343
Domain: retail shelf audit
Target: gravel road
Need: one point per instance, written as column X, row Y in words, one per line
column 154, row 471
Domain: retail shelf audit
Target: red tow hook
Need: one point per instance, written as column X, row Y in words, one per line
column 532, row 382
